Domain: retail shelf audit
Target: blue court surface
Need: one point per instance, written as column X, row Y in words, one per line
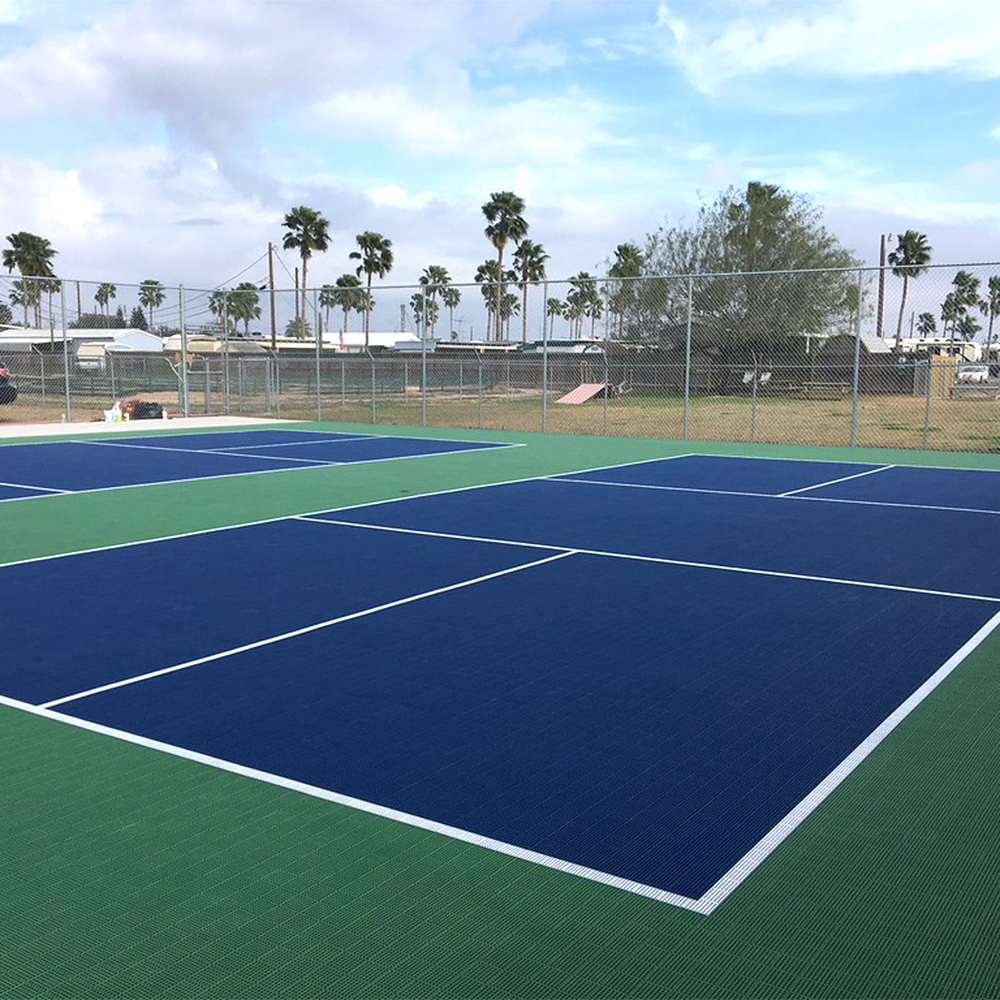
column 33, row 470
column 645, row 675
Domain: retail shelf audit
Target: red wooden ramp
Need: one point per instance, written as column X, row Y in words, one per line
column 588, row 390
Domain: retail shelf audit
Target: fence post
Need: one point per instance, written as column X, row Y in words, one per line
column 110, row 358
column 319, row 341
column 343, row 382
column 753, row 407
column 62, row 310
column 374, row 411
column 545, row 360
column 41, row 368
column 225, row 350
column 184, row 355
column 607, row 377
column 687, row 355
column 208, row 384
column 277, row 384
column 239, row 379
column 423, row 361
column 857, row 369
column 267, row 383
column 479, row 359
column 927, row 401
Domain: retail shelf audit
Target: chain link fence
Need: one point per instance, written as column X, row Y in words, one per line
column 773, row 357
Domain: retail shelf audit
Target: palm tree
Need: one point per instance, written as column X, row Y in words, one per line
column 244, row 304
column 992, row 308
column 529, row 262
column 506, row 224
column 451, row 297
column 219, row 305
column 908, row 260
column 328, row 301
column 926, row 324
column 425, row 310
column 151, row 295
column 585, row 299
column 491, row 277
column 6, row 316
column 31, row 256
column 965, row 296
column 629, row 262
column 104, row 294
column 375, row 254
column 308, row 231
column 553, row 308
column 434, row 279
column 348, row 294
column 49, row 286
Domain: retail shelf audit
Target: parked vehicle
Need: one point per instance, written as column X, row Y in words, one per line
column 8, row 390
column 972, row 373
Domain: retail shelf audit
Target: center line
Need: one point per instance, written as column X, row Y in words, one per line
column 843, row 479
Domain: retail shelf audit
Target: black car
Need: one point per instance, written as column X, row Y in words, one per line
column 8, row 391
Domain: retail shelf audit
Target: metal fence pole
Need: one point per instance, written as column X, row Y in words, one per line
column 423, row 360
column 753, row 407
column 319, row 341
column 687, row 355
column 929, row 379
column 62, row 310
column 857, row 369
column 479, row 358
column 374, row 411
column 545, row 361
column 225, row 350
column 184, row 355
column 277, row 385
column 41, row 368
column 110, row 358
column 607, row 378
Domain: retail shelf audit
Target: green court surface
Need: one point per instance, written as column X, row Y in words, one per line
column 126, row 872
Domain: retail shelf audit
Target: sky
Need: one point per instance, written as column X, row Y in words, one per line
column 167, row 140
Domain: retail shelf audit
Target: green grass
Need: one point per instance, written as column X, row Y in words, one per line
column 125, row 872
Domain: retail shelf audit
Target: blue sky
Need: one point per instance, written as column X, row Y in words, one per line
column 168, row 139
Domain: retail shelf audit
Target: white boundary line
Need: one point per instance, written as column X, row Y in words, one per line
column 271, row 640
column 289, row 517
column 770, row 841
column 569, row 478
column 654, row 559
column 297, row 444
column 203, row 451
column 40, row 489
column 298, row 468
column 361, row 805
column 833, row 482
column 844, row 461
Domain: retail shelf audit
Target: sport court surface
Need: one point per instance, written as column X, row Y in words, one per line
column 646, row 674
column 34, row 470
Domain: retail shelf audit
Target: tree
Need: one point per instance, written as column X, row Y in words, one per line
column 298, row 328
column 529, row 263
column 738, row 245
column 626, row 268
column 963, row 297
column 908, row 260
column 451, row 297
column 553, row 308
column 137, row 321
column 926, row 325
column 103, row 296
column 506, row 224
column 27, row 293
column 584, row 299
column 375, row 255
column 490, row 275
column 327, row 301
column 49, row 287
column 425, row 311
column 31, row 256
column 434, row 279
column 244, row 304
column 348, row 294
column 307, row 232
column 151, row 296
column 991, row 306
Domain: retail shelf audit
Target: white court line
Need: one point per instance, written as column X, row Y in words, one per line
column 840, row 461
column 40, row 489
column 654, row 559
column 832, row 482
column 304, row 631
column 200, row 451
column 770, row 841
column 455, row 833
column 300, row 444
column 557, row 478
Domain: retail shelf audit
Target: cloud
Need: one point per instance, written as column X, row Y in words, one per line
column 843, row 40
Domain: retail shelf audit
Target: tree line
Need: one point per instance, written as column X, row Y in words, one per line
column 766, row 265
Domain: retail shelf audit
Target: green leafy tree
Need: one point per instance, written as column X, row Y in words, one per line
column 348, row 294
column 529, row 263
column 737, row 245
column 244, row 304
column 375, row 255
column 435, row 279
column 308, row 232
column 298, row 329
column 553, row 308
column 219, row 304
column 137, row 320
column 49, row 287
column 31, row 256
column 926, row 325
column 963, row 297
column 991, row 307
column 506, row 224
column 425, row 311
column 327, row 301
column 621, row 293
column 151, row 296
column 6, row 315
column 103, row 296
column 908, row 260
column 450, row 297
column 491, row 277
column 585, row 300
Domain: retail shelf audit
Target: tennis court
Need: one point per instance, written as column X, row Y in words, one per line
column 53, row 468
column 646, row 675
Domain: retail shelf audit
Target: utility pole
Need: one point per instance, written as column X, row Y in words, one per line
column 299, row 328
column 270, row 282
column 881, row 283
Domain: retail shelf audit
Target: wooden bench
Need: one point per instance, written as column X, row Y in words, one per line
column 963, row 390
column 824, row 390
